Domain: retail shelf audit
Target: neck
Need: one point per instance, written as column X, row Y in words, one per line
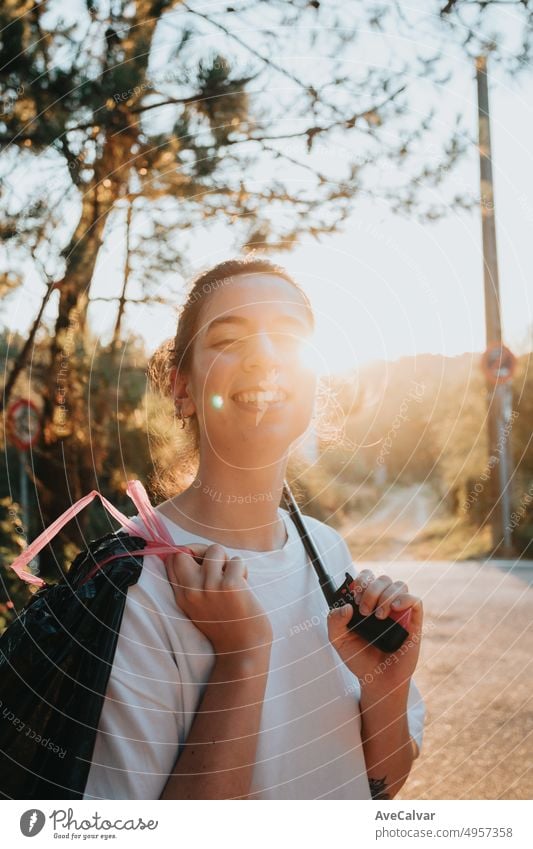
column 235, row 507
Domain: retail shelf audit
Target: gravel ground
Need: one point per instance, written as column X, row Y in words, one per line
column 475, row 673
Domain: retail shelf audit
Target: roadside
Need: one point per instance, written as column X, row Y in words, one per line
column 475, row 674
column 411, row 523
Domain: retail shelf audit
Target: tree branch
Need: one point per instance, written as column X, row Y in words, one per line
column 311, row 132
column 148, row 299
column 483, row 4
column 20, row 361
column 265, row 59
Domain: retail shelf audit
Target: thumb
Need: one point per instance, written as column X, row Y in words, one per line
column 338, row 618
column 343, row 611
column 195, row 549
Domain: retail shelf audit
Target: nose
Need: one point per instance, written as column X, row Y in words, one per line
column 262, row 352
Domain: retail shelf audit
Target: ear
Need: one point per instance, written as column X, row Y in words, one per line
column 179, row 386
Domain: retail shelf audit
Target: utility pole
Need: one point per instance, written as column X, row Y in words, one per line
column 499, row 392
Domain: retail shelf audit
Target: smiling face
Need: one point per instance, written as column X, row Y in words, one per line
column 252, row 383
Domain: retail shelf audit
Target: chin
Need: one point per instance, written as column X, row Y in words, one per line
column 263, row 444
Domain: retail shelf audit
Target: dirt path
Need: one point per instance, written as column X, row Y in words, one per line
column 475, row 673
column 387, row 531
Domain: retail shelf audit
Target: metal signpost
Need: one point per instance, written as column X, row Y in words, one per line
column 498, row 361
column 23, row 428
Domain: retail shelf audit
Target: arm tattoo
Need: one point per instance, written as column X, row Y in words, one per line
column 378, row 788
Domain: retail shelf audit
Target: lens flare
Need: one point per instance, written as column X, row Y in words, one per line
column 309, row 355
column 217, row 402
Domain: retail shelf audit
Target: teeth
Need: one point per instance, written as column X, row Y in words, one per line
column 260, row 397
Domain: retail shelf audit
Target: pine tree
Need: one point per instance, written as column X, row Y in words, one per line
column 158, row 109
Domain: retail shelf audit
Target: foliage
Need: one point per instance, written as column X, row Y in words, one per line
column 13, row 593
column 143, row 121
column 115, row 436
column 440, row 438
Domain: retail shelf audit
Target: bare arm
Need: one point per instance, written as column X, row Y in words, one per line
column 388, row 746
column 219, row 754
column 389, row 749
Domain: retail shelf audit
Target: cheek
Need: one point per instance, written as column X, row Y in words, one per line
column 308, row 358
column 305, row 392
column 306, row 384
column 211, row 385
column 305, row 370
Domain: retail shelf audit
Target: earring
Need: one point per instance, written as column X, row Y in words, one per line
column 179, row 414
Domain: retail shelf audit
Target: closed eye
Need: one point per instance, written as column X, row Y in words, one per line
column 224, row 342
column 280, row 338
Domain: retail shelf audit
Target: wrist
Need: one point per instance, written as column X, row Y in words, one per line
column 385, row 694
column 244, row 663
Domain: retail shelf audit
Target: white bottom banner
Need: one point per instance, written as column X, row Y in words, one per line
column 356, row 824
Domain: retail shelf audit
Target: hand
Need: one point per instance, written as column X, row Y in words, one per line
column 216, row 597
column 378, row 671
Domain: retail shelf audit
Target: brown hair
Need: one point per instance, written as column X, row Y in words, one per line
column 178, row 352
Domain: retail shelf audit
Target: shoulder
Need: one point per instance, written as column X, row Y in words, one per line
column 321, row 530
column 153, row 582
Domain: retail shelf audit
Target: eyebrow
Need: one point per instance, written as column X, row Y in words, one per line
column 238, row 319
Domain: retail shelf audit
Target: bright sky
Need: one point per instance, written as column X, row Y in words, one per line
column 390, row 286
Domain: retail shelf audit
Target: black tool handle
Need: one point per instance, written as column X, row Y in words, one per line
column 386, row 634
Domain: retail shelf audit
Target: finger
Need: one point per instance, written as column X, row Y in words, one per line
column 212, row 564
column 387, row 597
column 411, row 604
column 361, row 582
column 198, row 549
column 370, row 596
column 183, row 571
column 235, row 569
column 337, row 621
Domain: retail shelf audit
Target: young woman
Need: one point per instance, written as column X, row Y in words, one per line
column 230, row 679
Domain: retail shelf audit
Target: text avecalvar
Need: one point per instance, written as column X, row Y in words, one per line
column 404, row 815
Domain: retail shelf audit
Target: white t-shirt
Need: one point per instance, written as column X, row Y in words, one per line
column 309, row 743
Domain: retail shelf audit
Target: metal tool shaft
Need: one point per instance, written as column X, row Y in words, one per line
column 325, row 580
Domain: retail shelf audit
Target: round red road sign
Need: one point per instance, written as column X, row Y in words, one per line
column 23, row 425
column 498, row 363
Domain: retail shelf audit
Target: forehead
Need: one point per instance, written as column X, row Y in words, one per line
column 254, row 297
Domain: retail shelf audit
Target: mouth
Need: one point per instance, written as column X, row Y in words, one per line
column 260, row 400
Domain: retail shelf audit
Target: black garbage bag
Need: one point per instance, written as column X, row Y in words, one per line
column 55, row 662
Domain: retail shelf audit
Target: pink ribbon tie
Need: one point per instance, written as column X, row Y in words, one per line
column 155, row 532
